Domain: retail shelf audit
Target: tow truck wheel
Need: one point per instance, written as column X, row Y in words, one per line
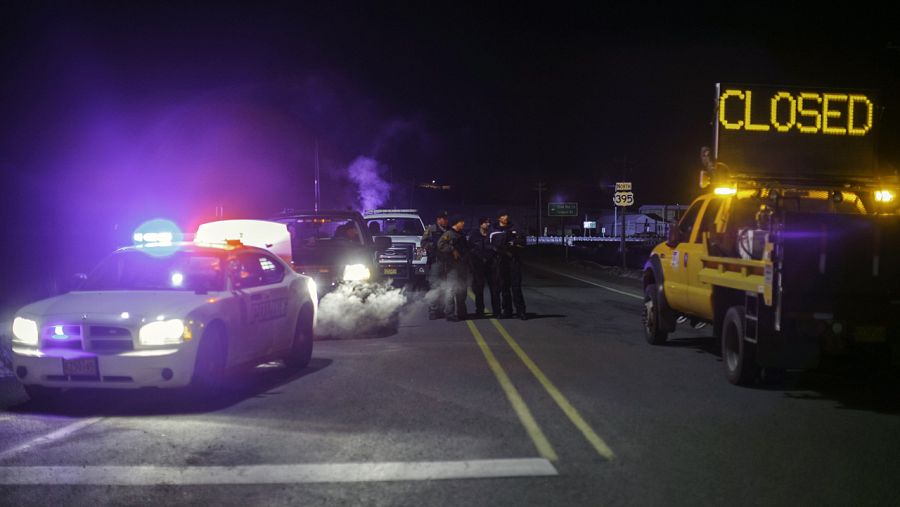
column 209, row 367
column 40, row 392
column 738, row 354
column 654, row 334
column 301, row 350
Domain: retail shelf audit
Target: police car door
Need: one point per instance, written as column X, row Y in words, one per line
column 255, row 336
column 274, row 312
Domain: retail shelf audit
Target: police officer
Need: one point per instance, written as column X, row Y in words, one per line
column 509, row 243
column 453, row 252
column 435, row 270
column 482, row 256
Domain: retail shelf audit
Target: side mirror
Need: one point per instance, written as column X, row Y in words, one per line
column 382, row 243
column 674, row 236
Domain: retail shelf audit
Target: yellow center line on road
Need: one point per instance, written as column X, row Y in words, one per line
column 515, row 399
column 563, row 403
column 551, row 389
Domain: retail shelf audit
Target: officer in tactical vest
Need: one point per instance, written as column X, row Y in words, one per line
column 509, row 243
column 453, row 252
column 435, row 270
column 483, row 256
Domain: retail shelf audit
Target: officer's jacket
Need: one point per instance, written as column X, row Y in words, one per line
column 429, row 240
column 507, row 241
column 480, row 246
column 450, row 241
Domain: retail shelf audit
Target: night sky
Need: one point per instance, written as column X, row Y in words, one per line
column 114, row 112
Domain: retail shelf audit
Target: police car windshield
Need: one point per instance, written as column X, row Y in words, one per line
column 324, row 232
column 395, row 226
column 137, row 270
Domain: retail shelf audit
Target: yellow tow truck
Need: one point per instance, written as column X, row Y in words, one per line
column 793, row 252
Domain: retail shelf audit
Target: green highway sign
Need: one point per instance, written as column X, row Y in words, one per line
column 562, row 209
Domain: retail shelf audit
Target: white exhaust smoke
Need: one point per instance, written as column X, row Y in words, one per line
column 359, row 309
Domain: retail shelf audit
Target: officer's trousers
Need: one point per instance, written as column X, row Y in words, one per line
column 508, row 276
column 455, row 295
column 483, row 272
column 436, row 289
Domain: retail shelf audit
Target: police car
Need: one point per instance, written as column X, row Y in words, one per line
column 405, row 260
column 167, row 315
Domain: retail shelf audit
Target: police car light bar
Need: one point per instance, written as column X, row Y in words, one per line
column 384, row 211
column 153, row 237
column 272, row 236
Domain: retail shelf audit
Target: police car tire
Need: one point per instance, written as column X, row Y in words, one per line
column 41, row 392
column 738, row 355
column 209, row 367
column 301, row 349
column 653, row 332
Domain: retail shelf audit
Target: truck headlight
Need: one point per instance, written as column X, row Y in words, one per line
column 419, row 254
column 25, row 331
column 162, row 332
column 884, row 196
column 356, row 273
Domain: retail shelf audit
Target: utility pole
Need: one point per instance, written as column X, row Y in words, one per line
column 540, row 187
column 624, row 176
column 317, row 175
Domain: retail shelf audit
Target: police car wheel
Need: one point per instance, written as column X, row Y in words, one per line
column 209, row 367
column 653, row 332
column 738, row 355
column 301, row 350
column 41, row 392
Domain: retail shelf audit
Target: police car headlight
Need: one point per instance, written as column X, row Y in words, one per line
column 356, row 273
column 25, row 331
column 162, row 332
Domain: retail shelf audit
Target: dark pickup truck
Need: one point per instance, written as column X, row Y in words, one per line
column 333, row 247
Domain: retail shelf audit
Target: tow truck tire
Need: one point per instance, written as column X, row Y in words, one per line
column 40, row 392
column 301, row 350
column 653, row 332
column 209, row 367
column 738, row 355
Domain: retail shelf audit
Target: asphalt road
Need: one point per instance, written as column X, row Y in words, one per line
column 571, row 407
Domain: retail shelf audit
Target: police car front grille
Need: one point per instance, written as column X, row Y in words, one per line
column 62, row 344
column 110, row 332
column 111, row 345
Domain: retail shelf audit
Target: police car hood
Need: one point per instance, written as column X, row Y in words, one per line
column 336, row 256
column 111, row 304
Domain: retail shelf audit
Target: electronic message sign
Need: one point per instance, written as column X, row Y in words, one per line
column 796, row 133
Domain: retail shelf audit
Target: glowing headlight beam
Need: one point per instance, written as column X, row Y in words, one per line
column 162, row 332
column 356, row 273
column 25, row 331
column 884, row 196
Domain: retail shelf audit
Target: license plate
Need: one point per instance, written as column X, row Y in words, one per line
column 390, row 271
column 85, row 366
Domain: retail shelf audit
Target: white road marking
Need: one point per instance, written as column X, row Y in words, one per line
column 617, row 291
column 276, row 474
column 49, row 437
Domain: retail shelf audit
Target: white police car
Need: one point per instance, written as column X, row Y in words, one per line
column 169, row 315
